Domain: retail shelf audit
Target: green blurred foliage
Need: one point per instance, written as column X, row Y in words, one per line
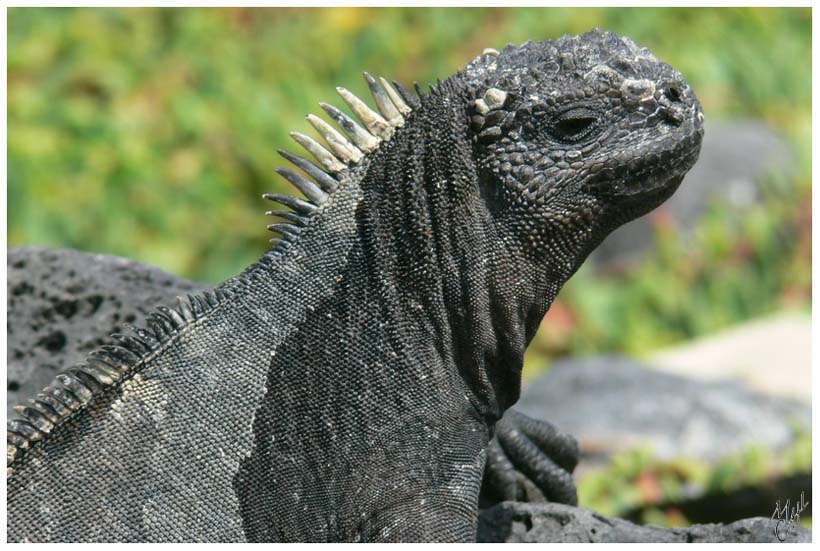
column 636, row 480
column 152, row 133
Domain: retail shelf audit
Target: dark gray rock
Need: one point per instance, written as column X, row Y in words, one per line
column 515, row 522
column 735, row 159
column 62, row 303
column 612, row 404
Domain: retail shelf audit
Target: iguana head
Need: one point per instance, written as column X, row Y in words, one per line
column 502, row 178
column 577, row 136
column 568, row 138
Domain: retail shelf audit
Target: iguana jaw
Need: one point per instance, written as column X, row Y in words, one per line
column 674, row 157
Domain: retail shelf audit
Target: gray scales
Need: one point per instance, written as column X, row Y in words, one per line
column 346, row 386
column 64, row 303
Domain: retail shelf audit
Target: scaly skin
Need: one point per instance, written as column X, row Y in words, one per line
column 81, row 298
column 345, row 387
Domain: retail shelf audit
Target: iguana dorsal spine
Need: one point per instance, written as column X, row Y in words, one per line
column 110, row 364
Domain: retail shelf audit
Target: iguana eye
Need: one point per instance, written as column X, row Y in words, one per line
column 574, row 125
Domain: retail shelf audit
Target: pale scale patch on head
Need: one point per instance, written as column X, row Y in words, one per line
column 637, row 90
column 603, row 72
column 493, row 99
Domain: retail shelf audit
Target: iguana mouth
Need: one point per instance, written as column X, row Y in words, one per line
column 664, row 174
column 628, row 188
column 631, row 188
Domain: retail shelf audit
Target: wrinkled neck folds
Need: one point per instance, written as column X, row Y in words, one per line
column 437, row 249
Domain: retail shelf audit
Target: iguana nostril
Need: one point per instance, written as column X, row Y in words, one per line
column 672, row 93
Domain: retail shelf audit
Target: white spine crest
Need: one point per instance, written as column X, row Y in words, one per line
column 342, row 148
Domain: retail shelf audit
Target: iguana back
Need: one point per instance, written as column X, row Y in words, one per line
column 345, row 386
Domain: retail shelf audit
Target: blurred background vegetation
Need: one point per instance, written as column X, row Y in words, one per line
column 152, row 133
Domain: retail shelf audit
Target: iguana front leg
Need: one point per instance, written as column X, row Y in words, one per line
column 529, row 460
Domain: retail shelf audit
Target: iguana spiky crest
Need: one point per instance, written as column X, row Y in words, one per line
column 345, row 151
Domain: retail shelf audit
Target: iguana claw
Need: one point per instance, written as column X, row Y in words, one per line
column 529, row 460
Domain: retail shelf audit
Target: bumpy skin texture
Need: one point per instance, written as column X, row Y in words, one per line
column 77, row 299
column 345, row 387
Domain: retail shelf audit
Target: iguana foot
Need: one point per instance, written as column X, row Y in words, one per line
column 529, row 460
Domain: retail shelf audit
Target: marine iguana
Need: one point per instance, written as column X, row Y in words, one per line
column 346, row 385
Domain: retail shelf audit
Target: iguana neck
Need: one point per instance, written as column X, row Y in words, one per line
column 425, row 227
